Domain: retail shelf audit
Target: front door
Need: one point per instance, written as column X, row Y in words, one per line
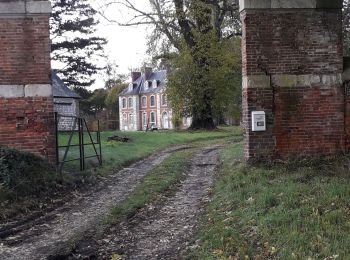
column 165, row 120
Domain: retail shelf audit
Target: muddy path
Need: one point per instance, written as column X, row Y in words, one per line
column 40, row 238
column 161, row 231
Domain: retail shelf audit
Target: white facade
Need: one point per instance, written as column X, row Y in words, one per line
column 129, row 116
column 149, row 108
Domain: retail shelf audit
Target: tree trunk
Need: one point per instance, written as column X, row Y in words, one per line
column 202, row 117
column 202, row 124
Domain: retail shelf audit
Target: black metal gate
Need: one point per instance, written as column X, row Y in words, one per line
column 69, row 126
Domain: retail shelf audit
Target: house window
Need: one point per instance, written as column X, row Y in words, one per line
column 165, row 120
column 153, row 101
column 155, row 84
column 164, row 100
column 147, row 84
column 125, row 119
column 144, row 101
column 131, row 119
column 130, row 103
column 153, row 119
column 124, row 103
column 144, row 119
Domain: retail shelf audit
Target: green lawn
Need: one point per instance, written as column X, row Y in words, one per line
column 117, row 154
column 290, row 211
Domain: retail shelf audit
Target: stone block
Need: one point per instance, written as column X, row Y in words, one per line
column 294, row 4
column 11, row 91
column 289, row 4
column 256, row 81
column 286, row 81
column 12, row 7
column 38, row 90
column 254, row 4
column 324, row 81
column 39, row 7
column 25, row 7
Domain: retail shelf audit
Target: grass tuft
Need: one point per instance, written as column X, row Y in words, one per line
column 158, row 181
column 283, row 211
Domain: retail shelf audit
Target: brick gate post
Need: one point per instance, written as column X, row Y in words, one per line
column 26, row 102
column 292, row 56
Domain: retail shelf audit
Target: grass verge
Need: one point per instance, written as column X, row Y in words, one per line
column 290, row 211
column 160, row 180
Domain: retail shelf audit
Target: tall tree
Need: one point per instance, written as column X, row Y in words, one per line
column 189, row 28
column 211, row 91
column 74, row 44
column 112, row 99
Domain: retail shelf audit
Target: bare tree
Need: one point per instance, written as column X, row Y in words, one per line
column 186, row 25
column 172, row 19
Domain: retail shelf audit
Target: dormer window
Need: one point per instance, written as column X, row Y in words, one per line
column 155, row 84
column 145, row 85
column 149, row 84
column 131, row 87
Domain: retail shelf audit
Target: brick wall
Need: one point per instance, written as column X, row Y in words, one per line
column 292, row 41
column 292, row 66
column 25, row 50
column 26, row 103
column 27, row 124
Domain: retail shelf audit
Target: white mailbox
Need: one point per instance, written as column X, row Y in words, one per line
column 258, row 121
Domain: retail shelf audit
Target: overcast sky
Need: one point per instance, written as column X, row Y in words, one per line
column 126, row 45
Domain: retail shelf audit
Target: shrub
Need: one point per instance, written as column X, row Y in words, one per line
column 24, row 174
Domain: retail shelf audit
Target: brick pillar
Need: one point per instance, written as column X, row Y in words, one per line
column 292, row 66
column 26, row 103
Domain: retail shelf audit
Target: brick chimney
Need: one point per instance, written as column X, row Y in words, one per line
column 26, row 102
column 148, row 72
column 292, row 56
column 135, row 75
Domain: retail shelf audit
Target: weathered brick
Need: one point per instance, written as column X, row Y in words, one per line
column 26, row 123
column 301, row 51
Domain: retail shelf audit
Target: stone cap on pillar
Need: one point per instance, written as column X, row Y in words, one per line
column 29, row 7
column 290, row 4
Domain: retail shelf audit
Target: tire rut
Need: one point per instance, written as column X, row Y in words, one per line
column 64, row 224
column 167, row 233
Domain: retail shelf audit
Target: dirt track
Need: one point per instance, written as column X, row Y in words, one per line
column 162, row 235
column 167, row 231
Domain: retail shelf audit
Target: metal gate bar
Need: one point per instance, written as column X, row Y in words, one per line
column 78, row 127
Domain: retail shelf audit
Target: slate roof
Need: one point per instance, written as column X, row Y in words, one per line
column 139, row 87
column 60, row 90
